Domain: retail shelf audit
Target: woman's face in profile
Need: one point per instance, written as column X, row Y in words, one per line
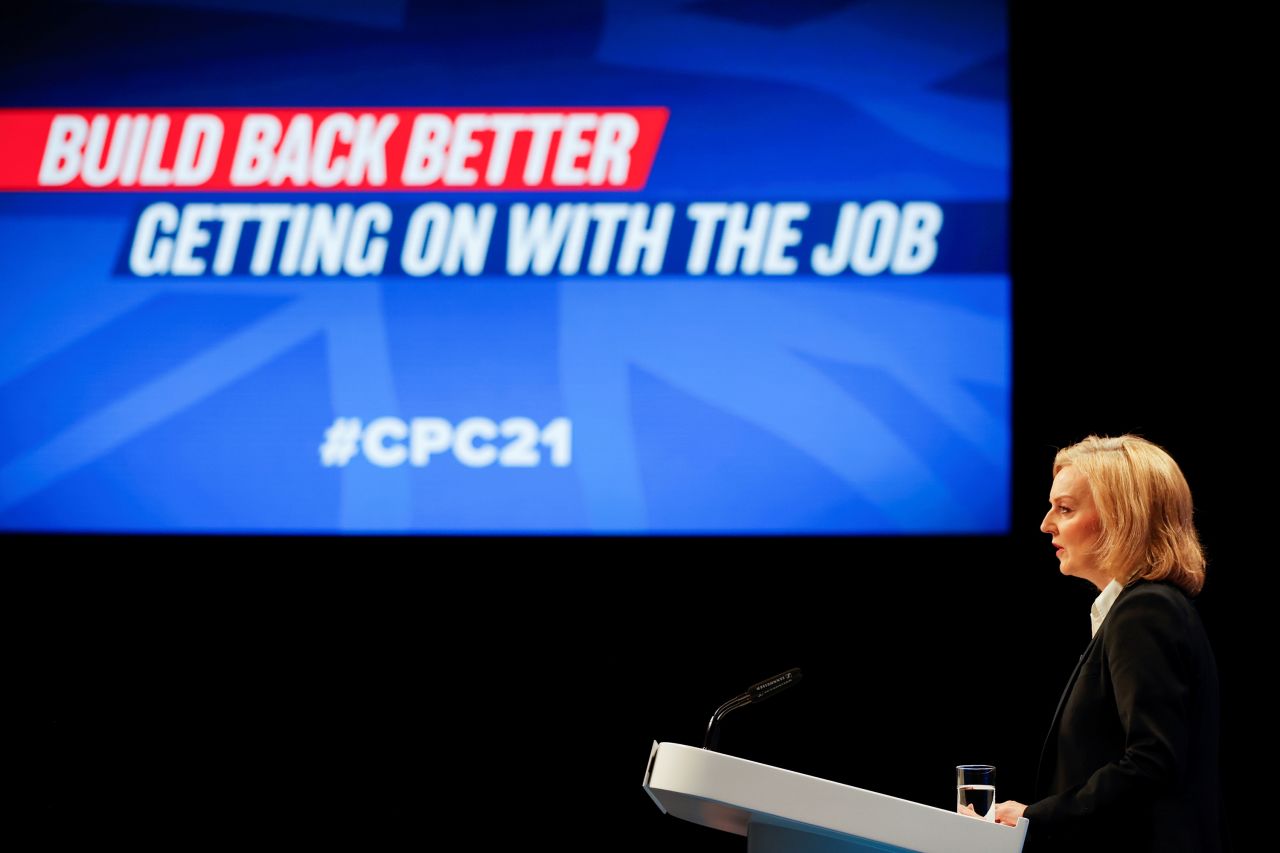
column 1074, row 524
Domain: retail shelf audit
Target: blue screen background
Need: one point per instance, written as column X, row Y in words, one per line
column 717, row 404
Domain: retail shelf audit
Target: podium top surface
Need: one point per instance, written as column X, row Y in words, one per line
column 728, row 793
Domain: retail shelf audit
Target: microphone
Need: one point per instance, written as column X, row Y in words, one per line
column 755, row 693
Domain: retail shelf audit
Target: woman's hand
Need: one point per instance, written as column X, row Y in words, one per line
column 1009, row 811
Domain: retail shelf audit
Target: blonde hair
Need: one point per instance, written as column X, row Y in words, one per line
column 1144, row 504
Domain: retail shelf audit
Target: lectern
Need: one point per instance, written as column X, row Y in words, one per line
column 780, row 811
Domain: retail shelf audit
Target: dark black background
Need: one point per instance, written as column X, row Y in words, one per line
column 302, row 689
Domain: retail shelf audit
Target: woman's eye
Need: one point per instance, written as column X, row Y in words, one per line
column 1064, row 509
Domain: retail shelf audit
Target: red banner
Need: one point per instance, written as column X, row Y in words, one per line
column 335, row 149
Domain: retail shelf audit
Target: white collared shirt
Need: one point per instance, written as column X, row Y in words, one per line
column 1102, row 604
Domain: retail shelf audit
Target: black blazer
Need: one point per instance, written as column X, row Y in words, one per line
column 1131, row 759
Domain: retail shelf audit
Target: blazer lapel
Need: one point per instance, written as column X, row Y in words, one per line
column 1057, row 714
column 1062, row 700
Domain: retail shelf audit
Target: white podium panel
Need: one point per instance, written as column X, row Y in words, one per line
column 780, row 810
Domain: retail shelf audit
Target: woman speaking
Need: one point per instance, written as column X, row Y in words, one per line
column 1131, row 759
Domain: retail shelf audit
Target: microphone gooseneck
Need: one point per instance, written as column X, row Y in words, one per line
column 755, row 693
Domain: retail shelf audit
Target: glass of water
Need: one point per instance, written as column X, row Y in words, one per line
column 976, row 786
